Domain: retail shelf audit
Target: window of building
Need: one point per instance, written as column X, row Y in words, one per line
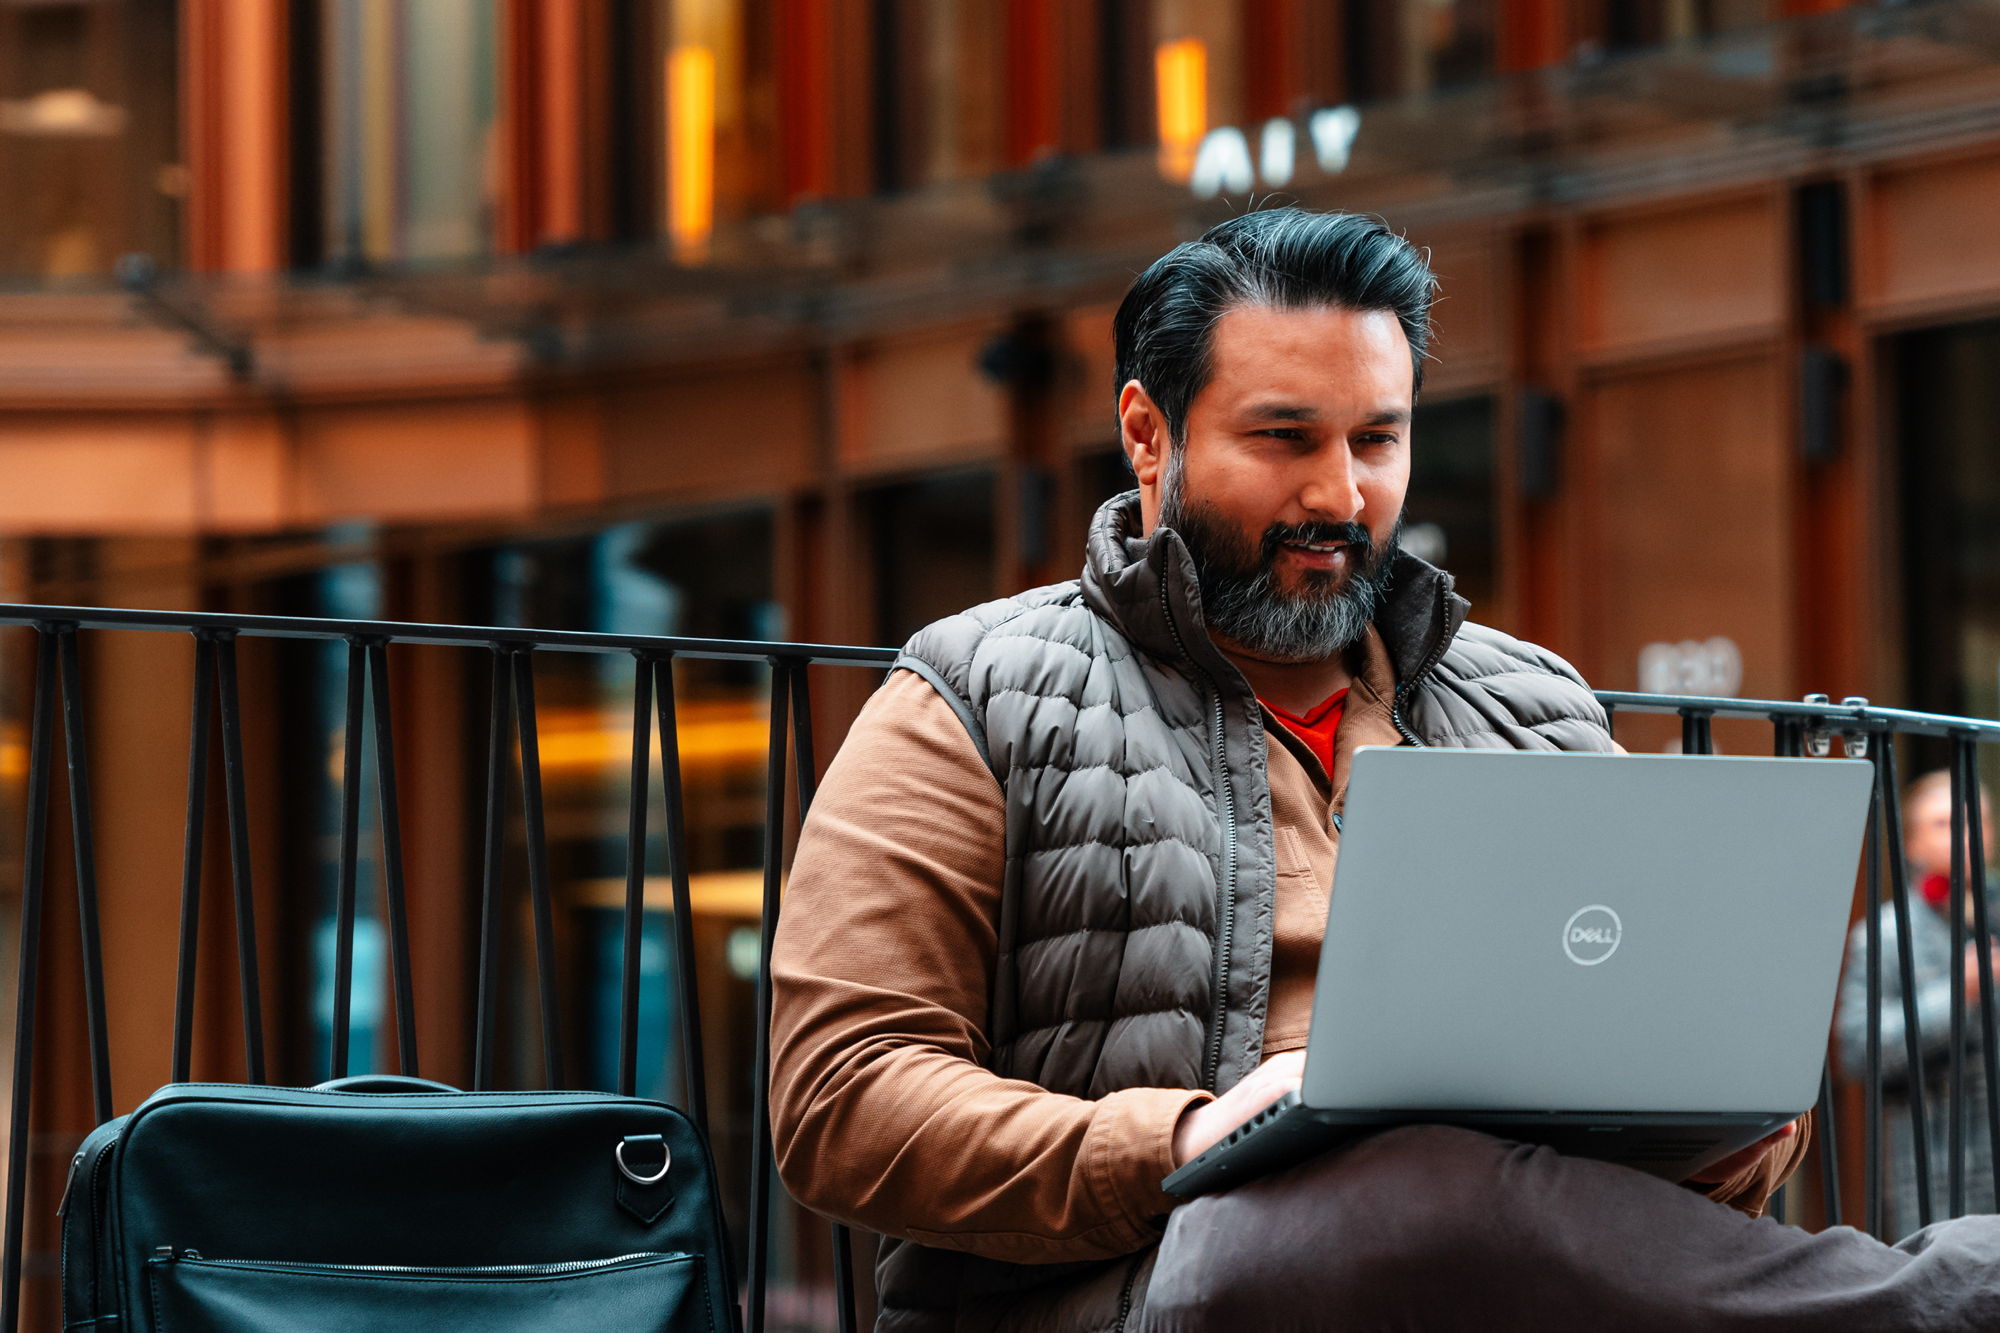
column 1948, row 412
column 715, row 67
column 1623, row 25
column 409, row 118
column 1398, row 47
column 934, row 539
column 1452, row 515
column 88, row 135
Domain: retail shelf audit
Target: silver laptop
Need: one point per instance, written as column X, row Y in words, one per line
column 1627, row 957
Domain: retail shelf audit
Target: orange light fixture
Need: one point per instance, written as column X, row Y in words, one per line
column 691, row 151
column 1180, row 80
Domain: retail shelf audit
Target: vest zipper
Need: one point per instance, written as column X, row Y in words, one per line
column 1431, row 659
column 1225, row 906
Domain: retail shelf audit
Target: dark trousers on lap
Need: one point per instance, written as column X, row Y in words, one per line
column 1434, row 1230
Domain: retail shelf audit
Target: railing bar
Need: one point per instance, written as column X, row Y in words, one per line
column 760, row 1091
column 83, row 841
column 1899, row 889
column 34, row 848
column 1786, row 742
column 350, row 852
column 539, row 898
column 234, row 784
column 1989, row 1020
column 806, row 776
column 1829, row 1158
column 1853, row 717
column 191, row 849
column 1955, row 1088
column 399, row 631
column 394, row 900
column 1871, row 859
column 694, row 1070
column 487, row 1003
column 635, row 877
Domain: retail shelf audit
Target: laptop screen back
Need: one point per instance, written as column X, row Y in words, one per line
column 1552, row 932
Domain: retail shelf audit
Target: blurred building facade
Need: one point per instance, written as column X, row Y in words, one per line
column 790, row 318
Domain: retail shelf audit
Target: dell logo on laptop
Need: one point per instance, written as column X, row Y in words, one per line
column 1592, row 935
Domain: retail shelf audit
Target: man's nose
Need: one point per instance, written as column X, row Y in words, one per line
column 1332, row 489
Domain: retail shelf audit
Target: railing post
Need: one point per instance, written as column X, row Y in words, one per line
column 760, row 1087
column 191, row 848
column 487, row 1003
column 350, row 839
column 394, row 907
column 535, row 830
column 235, row 797
column 1913, row 1046
column 1955, row 1068
column 635, row 875
column 1964, row 754
column 34, row 856
column 693, row 1055
column 83, row 839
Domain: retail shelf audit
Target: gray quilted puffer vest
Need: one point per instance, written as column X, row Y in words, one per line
column 1136, row 918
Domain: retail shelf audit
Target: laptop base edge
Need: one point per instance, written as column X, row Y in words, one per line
column 1670, row 1145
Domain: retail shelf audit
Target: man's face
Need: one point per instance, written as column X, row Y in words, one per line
column 1290, row 483
column 1927, row 829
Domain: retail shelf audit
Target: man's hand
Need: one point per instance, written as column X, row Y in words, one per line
column 1717, row 1172
column 1202, row 1127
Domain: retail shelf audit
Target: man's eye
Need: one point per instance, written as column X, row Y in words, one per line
column 1284, row 433
column 1380, row 438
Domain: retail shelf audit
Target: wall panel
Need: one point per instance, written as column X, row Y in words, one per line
column 737, row 432
column 919, row 402
column 1688, row 489
column 1672, row 277
column 91, row 473
column 1931, row 236
column 412, row 461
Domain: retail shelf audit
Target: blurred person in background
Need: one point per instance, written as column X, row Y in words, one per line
column 1054, row 918
column 1927, row 848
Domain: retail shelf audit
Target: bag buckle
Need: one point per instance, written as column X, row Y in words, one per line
column 630, row 1173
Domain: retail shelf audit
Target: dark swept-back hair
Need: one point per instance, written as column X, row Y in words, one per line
column 1284, row 257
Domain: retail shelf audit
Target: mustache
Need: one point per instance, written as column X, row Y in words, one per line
column 1318, row 534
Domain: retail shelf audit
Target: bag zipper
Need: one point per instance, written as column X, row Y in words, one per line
column 1211, row 1062
column 167, row 1254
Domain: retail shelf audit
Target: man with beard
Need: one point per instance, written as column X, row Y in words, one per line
column 1055, row 916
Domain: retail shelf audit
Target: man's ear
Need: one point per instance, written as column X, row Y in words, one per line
column 1142, row 430
column 1143, row 434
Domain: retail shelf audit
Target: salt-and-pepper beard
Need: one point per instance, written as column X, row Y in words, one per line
column 1240, row 597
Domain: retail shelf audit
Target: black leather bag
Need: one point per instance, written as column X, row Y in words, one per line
column 388, row 1203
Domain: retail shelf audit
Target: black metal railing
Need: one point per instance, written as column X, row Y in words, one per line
column 1812, row 728
column 513, row 749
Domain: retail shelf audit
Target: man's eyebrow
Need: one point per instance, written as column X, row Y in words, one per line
column 1275, row 410
column 1388, row 416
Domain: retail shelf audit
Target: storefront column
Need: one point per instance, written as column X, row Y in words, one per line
column 233, row 55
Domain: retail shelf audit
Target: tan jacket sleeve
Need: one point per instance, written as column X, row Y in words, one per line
column 1750, row 1190
column 881, row 1110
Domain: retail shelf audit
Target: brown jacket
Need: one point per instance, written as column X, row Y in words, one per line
column 884, row 1114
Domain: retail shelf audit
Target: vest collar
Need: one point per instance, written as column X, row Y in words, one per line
column 1146, row 588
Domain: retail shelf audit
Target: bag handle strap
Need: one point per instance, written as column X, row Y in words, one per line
column 382, row 1083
